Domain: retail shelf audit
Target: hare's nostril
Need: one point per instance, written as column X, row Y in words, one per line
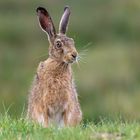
column 74, row 55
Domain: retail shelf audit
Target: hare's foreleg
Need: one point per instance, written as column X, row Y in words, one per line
column 66, row 117
column 46, row 120
column 42, row 119
column 40, row 116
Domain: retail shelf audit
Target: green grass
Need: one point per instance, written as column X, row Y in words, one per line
column 11, row 129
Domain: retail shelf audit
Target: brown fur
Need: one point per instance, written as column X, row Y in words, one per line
column 53, row 97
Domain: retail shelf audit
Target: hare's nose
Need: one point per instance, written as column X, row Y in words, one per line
column 74, row 55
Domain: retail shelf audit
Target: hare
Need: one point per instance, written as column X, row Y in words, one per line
column 53, row 98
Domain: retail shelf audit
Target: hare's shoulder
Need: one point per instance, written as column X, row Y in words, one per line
column 41, row 66
column 44, row 68
column 46, row 65
column 41, row 69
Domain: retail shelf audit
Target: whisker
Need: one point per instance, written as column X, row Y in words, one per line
column 87, row 45
column 85, row 48
column 81, row 59
column 78, row 64
column 83, row 53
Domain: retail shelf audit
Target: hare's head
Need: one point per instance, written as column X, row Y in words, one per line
column 61, row 47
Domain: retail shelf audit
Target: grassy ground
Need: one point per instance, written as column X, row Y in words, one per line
column 11, row 129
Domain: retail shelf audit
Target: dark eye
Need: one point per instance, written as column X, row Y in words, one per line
column 58, row 44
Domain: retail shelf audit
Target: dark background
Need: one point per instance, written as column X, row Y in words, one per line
column 107, row 35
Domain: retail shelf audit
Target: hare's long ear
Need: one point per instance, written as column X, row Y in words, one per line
column 46, row 23
column 64, row 20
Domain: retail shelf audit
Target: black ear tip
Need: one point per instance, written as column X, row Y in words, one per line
column 66, row 7
column 41, row 9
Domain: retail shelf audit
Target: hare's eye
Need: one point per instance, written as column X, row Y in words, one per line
column 58, row 44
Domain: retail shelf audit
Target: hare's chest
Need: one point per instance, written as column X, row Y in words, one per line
column 58, row 91
column 58, row 86
column 58, row 94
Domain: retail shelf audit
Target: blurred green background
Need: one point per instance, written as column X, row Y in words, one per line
column 107, row 35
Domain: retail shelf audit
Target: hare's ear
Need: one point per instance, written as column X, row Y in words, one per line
column 64, row 20
column 46, row 23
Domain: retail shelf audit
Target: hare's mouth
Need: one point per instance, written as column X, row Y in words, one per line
column 72, row 60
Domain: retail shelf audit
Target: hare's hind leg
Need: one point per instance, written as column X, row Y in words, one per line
column 73, row 117
column 76, row 115
column 69, row 119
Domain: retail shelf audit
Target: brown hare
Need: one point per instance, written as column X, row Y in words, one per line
column 53, row 98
